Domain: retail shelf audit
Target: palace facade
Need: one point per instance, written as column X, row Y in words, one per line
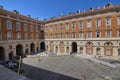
column 95, row 32
column 92, row 32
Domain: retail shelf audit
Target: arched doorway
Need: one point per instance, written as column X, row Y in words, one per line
column 11, row 55
column 37, row 50
column 42, row 46
column 56, row 49
column 19, row 50
column 108, row 48
column 2, row 54
column 32, row 48
column 81, row 50
column 89, row 48
column 62, row 50
column 118, row 52
column 74, row 47
column 98, row 51
column 26, row 51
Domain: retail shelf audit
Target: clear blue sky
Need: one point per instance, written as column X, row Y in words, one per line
column 50, row 8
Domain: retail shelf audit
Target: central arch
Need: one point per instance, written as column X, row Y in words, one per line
column 19, row 50
column 2, row 55
column 74, row 47
column 42, row 46
column 32, row 48
column 118, row 52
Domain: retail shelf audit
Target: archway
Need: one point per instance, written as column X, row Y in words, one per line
column 32, row 48
column 19, row 50
column 74, row 47
column 81, row 50
column 42, row 46
column 11, row 55
column 26, row 51
column 89, row 48
column 37, row 50
column 56, row 49
column 2, row 54
column 118, row 52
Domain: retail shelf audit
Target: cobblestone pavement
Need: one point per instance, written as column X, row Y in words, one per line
column 67, row 68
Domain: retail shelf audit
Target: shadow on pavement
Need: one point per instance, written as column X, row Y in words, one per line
column 35, row 73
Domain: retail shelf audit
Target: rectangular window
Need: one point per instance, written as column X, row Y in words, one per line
column 73, row 35
column 119, row 33
column 98, row 34
column 51, row 36
column 81, row 24
column 25, row 27
column 0, row 35
column 89, row 34
column 25, row 35
column 98, row 22
column 50, row 27
column 17, row 26
column 0, row 24
column 118, row 20
column 73, row 25
column 46, row 36
column 32, row 36
column 61, row 27
column 108, row 52
column 46, row 28
column 37, row 36
column 36, row 28
column 67, row 35
column 56, row 36
column 18, row 36
column 61, row 35
column 9, row 35
column 56, row 28
column 108, row 34
column 108, row 21
column 81, row 34
column 67, row 26
column 9, row 24
column 31, row 28
column 89, row 23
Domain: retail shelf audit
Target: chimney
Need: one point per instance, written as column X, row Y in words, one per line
column 15, row 11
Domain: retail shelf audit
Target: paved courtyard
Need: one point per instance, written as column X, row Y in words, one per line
column 66, row 68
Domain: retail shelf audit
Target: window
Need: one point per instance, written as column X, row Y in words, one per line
column 36, row 28
column 108, row 21
column 56, row 36
column 73, row 35
column 118, row 19
column 98, row 22
column 25, row 35
column 67, row 35
column 119, row 33
column 89, row 34
column 46, row 36
column 25, row 27
column 108, row 34
column 46, row 28
column 56, row 28
column 0, row 35
column 50, row 27
column 9, row 35
column 9, row 24
column 61, row 35
column 31, row 28
column 81, row 34
column 81, row 24
column 17, row 26
column 67, row 26
column 89, row 23
column 98, row 51
column 61, row 27
column 51, row 36
column 73, row 25
column 0, row 24
column 37, row 36
column 18, row 36
column 32, row 36
column 98, row 34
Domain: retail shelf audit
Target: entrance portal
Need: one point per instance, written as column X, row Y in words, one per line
column 74, row 47
column 19, row 50
column 42, row 46
column 2, row 56
column 32, row 48
column 118, row 52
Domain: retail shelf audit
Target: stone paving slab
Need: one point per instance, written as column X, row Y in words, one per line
column 6, row 74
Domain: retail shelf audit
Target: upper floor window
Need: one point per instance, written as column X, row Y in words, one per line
column 61, row 35
column 73, row 25
column 50, row 27
column 118, row 20
column 67, row 26
column 67, row 35
column 17, row 26
column 51, row 36
column 56, row 36
column 18, row 36
column 37, row 36
column 36, row 28
column 9, row 24
column 25, row 27
column 46, row 28
column 61, row 26
column 108, row 21
column 118, row 33
column 31, row 28
column 32, row 36
column 89, row 23
column 81, row 35
column 56, row 27
column 81, row 24
column 46, row 36
column 98, row 22
column 98, row 34
column 25, row 35
column 9, row 35
column 0, row 35
column 73, row 35
column 89, row 34
column 108, row 34
column 0, row 24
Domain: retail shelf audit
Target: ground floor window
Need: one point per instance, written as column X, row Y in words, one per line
column 98, row 51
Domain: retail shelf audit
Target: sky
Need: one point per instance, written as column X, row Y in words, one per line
column 45, row 9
